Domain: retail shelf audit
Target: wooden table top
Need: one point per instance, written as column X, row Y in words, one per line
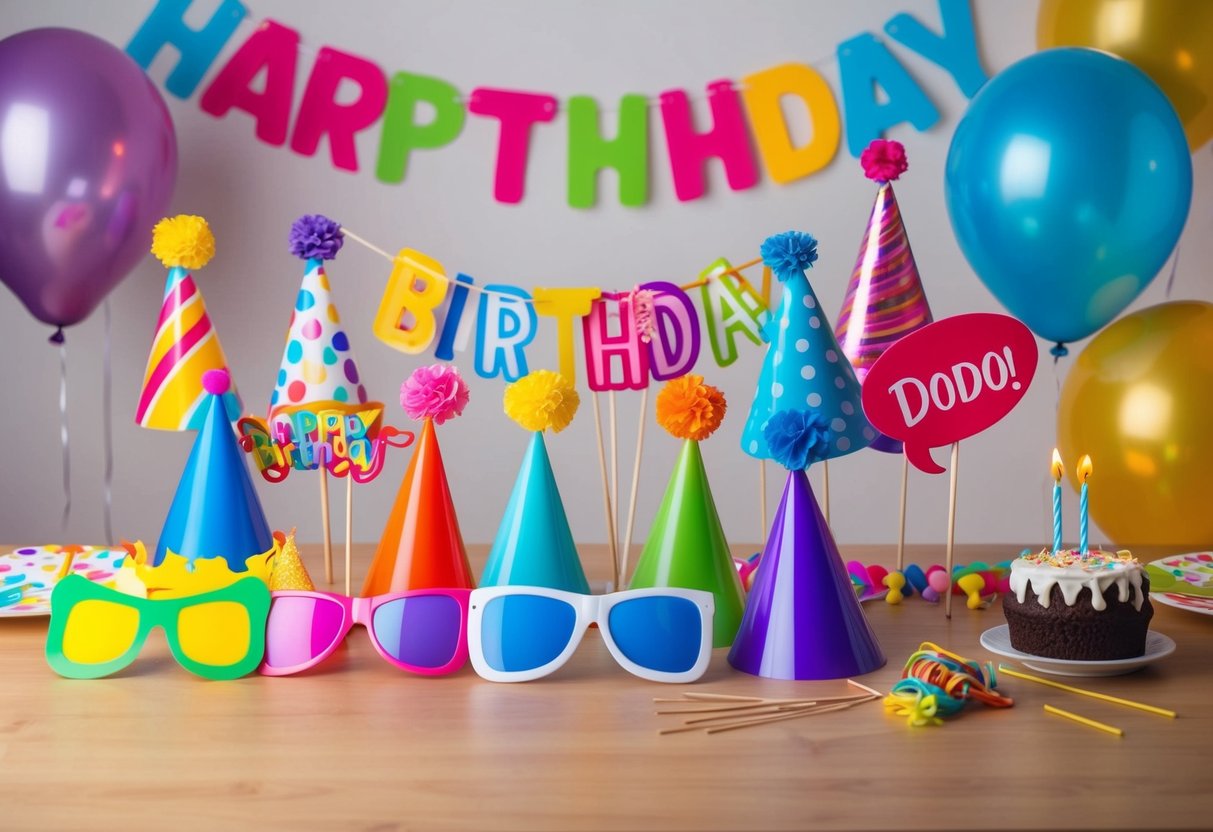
column 360, row 745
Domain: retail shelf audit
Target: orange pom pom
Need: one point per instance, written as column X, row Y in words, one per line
column 689, row 409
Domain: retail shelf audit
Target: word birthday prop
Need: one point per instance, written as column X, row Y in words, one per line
column 346, row 444
column 949, row 381
column 421, row 112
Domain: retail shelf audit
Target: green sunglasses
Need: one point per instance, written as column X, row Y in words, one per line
column 96, row 631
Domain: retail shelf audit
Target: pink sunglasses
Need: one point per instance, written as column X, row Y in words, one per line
column 423, row 631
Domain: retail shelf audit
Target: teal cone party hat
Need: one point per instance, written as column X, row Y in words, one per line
column 215, row 512
column 804, row 366
column 534, row 545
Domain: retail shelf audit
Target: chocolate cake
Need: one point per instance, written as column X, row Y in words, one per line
column 1079, row 607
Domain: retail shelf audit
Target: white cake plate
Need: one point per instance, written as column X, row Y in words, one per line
column 998, row 640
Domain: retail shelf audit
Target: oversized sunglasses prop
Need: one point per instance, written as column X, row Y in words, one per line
column 520, row 633
column 423, row 630
column 96, row 631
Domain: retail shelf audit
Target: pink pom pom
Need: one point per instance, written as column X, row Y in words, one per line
column 216, row 382
column 938, row 581
column 436, row 392
column 883, row 160
column 645, row 314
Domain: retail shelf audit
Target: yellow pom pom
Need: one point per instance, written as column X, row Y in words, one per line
column 690, row 409
column 183, row 240
column 541, row 400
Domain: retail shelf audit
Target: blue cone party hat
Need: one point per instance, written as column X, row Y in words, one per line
column 802, row 619
column 534, row 545
column 804, row 365
column 215, row 512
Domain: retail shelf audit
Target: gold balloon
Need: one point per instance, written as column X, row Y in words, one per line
column 1139, row 400
column 1171, row 40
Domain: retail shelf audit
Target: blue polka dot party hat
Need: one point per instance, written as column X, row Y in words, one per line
column 804, row 368
column 318, row 368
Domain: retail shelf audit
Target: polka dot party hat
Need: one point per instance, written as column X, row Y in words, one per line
column 318, row 368
column 804, row 366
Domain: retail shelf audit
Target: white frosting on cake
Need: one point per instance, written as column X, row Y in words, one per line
column 1072, row 572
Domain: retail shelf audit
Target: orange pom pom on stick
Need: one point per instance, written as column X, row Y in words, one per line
column 689, row 409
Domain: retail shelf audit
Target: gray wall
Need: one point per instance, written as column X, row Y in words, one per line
column 250, row 193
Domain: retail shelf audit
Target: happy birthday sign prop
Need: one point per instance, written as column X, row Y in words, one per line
column 949, row 381
column 419, row 112
column 346, row 444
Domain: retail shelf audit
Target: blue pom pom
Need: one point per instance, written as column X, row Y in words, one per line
column 315, row 236
column 797, row 438
column 790, row 253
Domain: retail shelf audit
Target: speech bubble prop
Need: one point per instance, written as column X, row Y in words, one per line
column 949, row 381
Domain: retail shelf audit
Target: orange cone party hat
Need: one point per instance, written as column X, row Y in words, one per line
column 421, row 546
column 185, row 345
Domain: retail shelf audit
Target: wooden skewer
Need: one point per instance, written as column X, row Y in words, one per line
column 825, row 487
column 1128, row 703
column 606, row 493
column 947, row 601
column 324, row 519
column 746, row 723
column 901, row 527
column 764, row 704
column 768, row 710
column 627, row 536
column 864, row 687
column 1101, row 726
column 724, row 696
column 614, row 481
column 349, row 528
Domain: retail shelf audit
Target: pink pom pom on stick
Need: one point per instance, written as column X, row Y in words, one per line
column 884, row 161
column 435, row 392
column 216, row 382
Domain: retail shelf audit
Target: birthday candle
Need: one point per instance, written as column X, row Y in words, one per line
column 1057, row 470
column 1084, row 471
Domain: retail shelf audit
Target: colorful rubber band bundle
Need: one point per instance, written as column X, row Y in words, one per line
column 936, row 683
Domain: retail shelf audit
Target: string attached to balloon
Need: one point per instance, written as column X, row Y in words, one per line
column 64, row 438
column 1174, row 266
column 107, row 417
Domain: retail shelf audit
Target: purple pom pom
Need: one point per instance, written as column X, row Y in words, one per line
column 315, row 236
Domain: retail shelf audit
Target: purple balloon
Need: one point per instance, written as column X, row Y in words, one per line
column 88, row 160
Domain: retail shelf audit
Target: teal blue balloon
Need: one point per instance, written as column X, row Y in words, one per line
column 1068, row 183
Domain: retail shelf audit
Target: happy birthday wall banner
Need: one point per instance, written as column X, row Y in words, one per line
column 739, row 110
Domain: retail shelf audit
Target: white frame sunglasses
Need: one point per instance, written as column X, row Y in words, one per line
column 589, row 609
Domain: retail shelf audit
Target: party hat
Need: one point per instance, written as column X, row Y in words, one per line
column 534, row 545
column 318, row 370
column 804, row 366
column 289, row 571
column 215, row 512
column 885, row 299
column 686, row 546
column 185, row 345
column 421, row 546
column 802, row 619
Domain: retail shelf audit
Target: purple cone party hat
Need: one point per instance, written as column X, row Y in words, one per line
column 885, row 299
column 215, row 512
column 534, row 545
column 802, row 619
column 804, row 366
column 185, row 345
column 318, row 368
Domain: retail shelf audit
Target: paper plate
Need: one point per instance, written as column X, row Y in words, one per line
column 38, row 569
column 1190, row 574
column 1191, row 603
column 998, row 640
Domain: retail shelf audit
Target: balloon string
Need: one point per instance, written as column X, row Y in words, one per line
column 63, row 434
column 1174, row 265
column 107, row 415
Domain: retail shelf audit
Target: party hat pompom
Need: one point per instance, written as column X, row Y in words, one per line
column 184, row 241
column 541, row 400
column 216, row 382
column 797, row 438
column 883, row 160
column 436, row 392
column 689, row 409
column 644, row 310
column 315, row 237
column 790, row 253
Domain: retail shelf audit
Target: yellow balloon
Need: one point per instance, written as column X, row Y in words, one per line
column 1171, row 40
column 1138, row 400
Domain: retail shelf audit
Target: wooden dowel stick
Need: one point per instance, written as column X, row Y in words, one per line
column 728, row 697
column 825, row 488
column 762, row 500
column 901, row 526
column 739, row 706
column 1129, row 703
column 324, row 519
column 614, row 472
column 627, row 536
column 864, row 687
column 349, row 528
column 716, row 729
column 947, row 602
column 767, row 710
column 606, row 493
